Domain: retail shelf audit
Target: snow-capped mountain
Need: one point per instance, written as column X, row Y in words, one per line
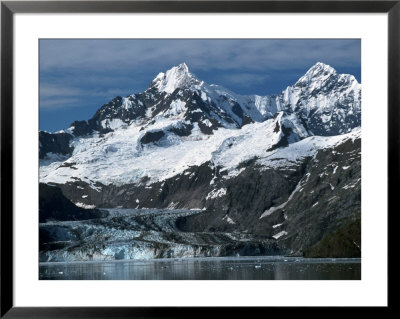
column 327, row 102
column 183, row 143
column 180, row 95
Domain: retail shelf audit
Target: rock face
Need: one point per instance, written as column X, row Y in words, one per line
column 343, row 242
column 53, row 205
column 58, row 143
column 281, row 173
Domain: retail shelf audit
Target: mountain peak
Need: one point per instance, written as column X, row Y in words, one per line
column 318, row 72
column 319, row 69
column 176, row 77
column 182, row 67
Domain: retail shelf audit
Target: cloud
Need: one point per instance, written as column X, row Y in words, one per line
column 72, row 70
column 48, row 91
column 57, row 97
column 112, row 55
column 59, row 102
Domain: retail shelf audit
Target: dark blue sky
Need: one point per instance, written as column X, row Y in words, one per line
column 78, row 76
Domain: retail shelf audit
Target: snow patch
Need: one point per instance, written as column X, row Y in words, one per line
column 281, row 206
column 280, row 234
column 228, row 219
column 82, row 205
column 216, row 193
column 112, row 124
column 176, row 107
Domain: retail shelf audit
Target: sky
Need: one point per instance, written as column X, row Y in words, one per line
column 78, row 76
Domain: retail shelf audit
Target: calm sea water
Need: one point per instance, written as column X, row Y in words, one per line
column 222, row 268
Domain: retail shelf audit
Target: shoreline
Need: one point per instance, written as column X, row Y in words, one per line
column 280, row 258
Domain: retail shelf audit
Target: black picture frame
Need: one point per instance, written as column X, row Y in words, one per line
column 9, row 8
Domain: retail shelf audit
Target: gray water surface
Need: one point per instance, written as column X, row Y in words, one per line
column 218, row 268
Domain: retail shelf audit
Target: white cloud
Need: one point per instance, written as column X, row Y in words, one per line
column 59, row 102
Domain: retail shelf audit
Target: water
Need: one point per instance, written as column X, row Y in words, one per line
column 222, row 268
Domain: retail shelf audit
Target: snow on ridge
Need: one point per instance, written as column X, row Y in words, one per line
column 252, row 141
column 118, row 158
column 308, row 146
column 216, row 193
column 176, row 107
column 112, row 123
column 256, row 107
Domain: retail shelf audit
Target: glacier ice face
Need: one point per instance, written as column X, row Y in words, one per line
column 138, row 234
